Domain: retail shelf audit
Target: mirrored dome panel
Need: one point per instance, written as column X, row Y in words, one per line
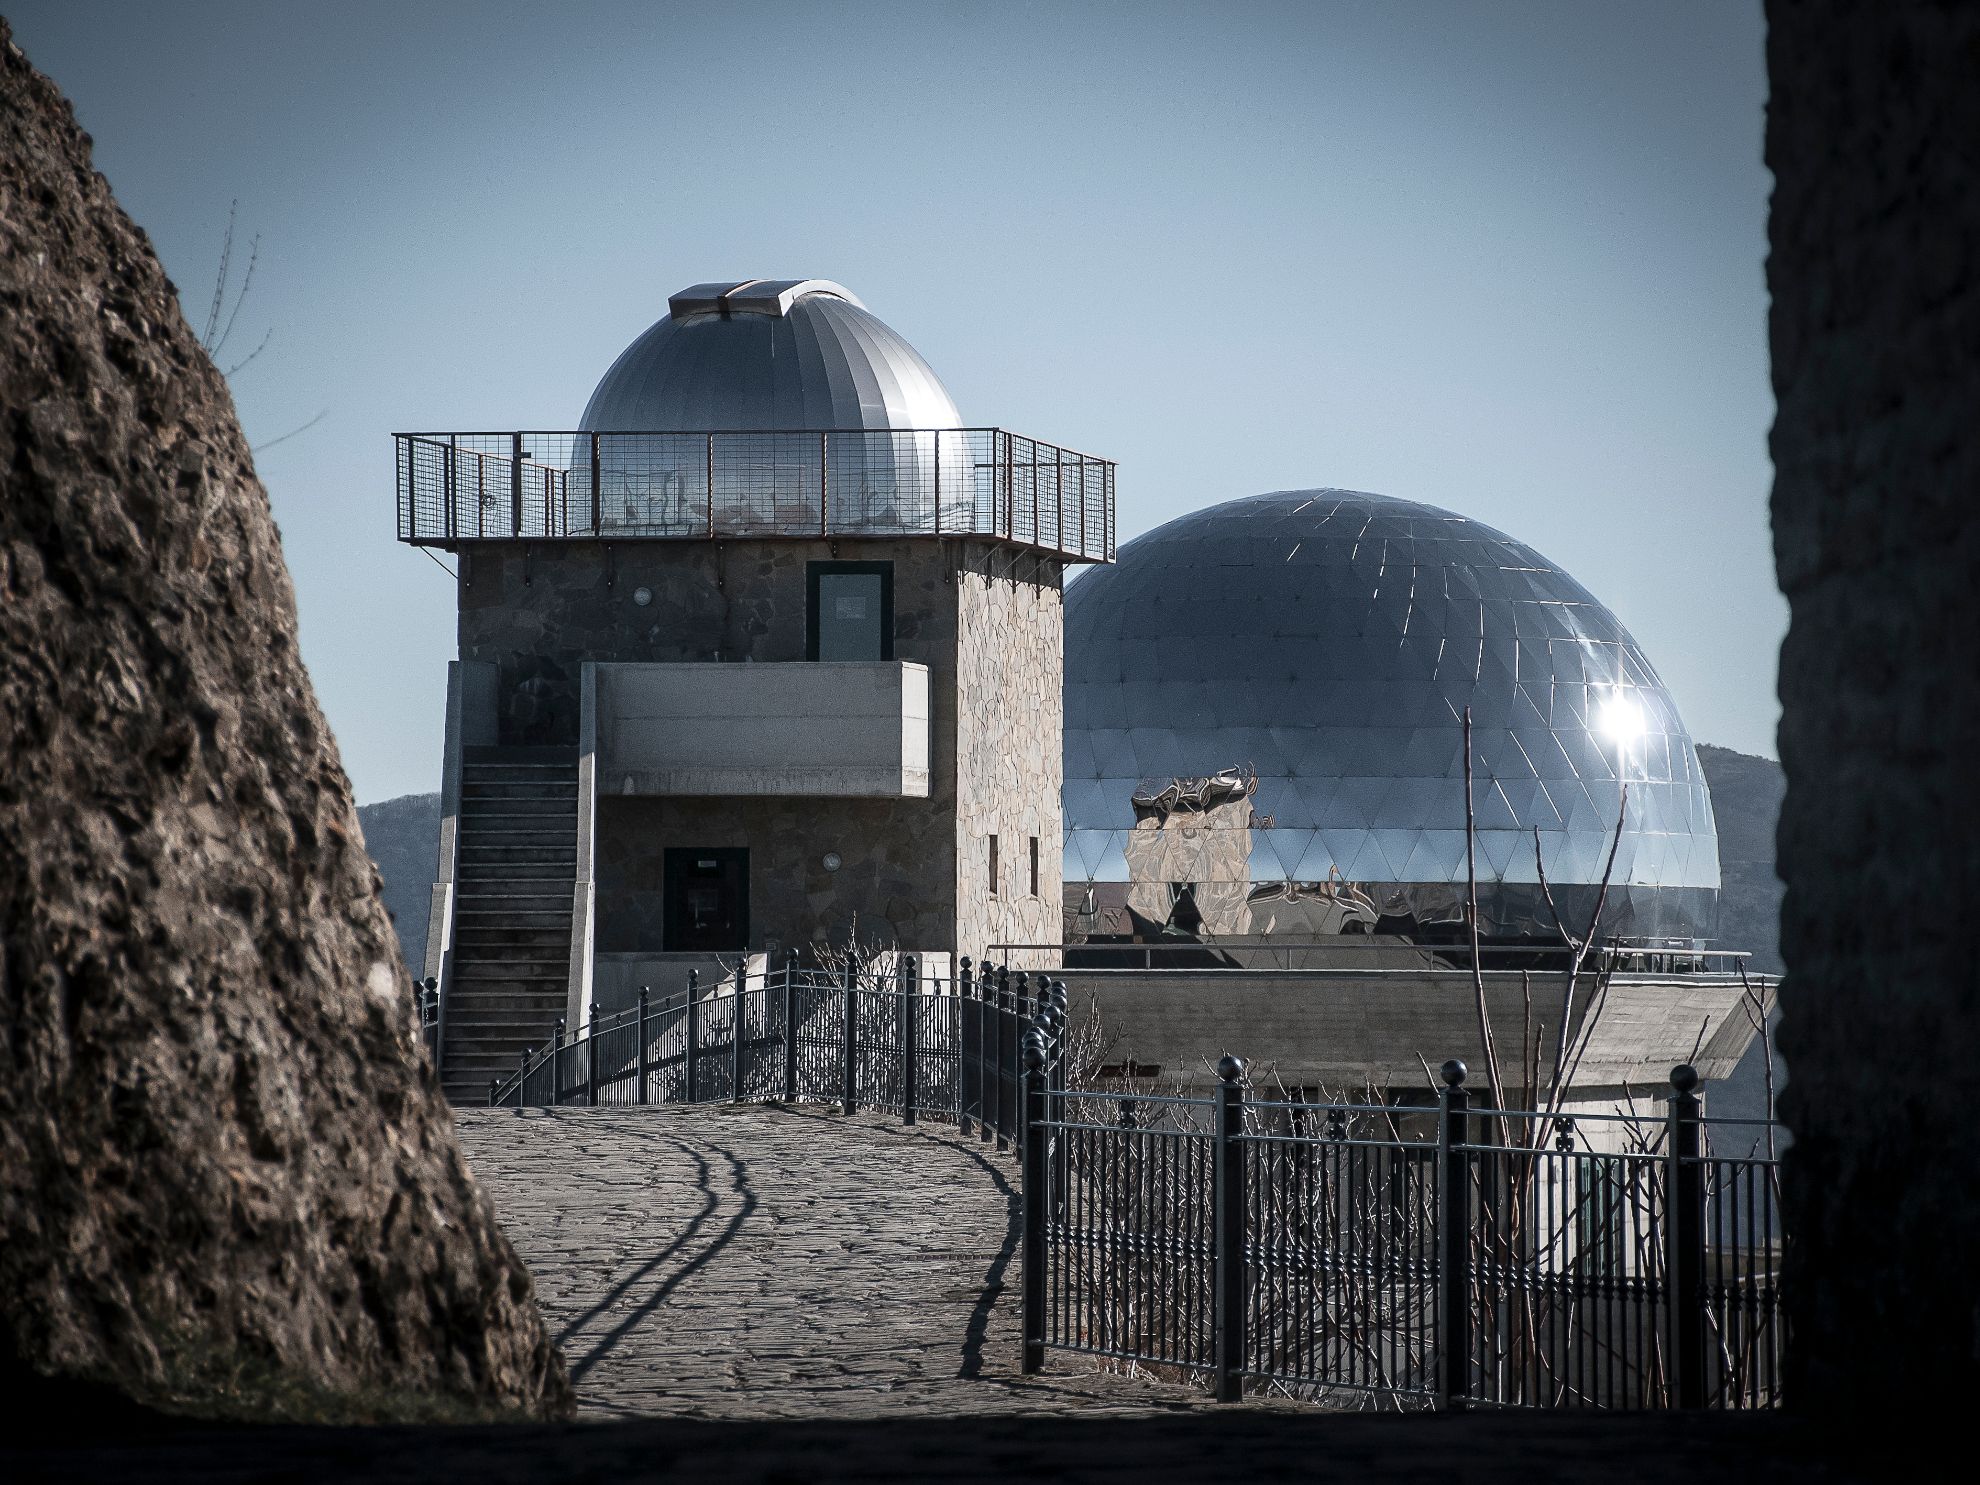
column 1264, row 706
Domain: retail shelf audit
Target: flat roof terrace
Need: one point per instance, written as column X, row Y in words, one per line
column 459, row 488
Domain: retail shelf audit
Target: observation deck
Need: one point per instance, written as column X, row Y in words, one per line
column 455, row 489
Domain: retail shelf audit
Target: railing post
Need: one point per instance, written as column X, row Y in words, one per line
column 851, row 1089
column 1036, row 1183
column 515, row 485
column 1684, row 1232
column 1228, row 1235
column 910, row 1036
column 596, row 523
column 645, row 1061
column 591, row 1058
column 522, row 1076
column 493, row 1084
column 790, row 1029
column 1453, row 1241
column 736, row 1038
column 693, row 1019
column 557, row 1065
column 965, row 1045
column 989, row 1066
column 1000, row 1058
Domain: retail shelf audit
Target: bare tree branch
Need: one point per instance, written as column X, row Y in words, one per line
column 258, row 448
column 220, row 280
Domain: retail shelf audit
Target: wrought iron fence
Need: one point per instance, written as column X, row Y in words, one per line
column 946, row 1048
column 1427, row 1255
column 1432, row 1256
column 549, row 486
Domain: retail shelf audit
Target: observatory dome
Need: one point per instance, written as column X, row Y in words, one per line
column 1264, row 707
column 760, row 354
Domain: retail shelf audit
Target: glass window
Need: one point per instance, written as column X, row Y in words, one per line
column 850, row 612
column 1034, row 866
column 993, row 866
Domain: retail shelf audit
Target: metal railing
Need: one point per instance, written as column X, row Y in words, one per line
column 1433, row 1256
column 1428, row 1255
column 426, row 1000
column 1341, row 952
column 455, row 488
column 950, row 1049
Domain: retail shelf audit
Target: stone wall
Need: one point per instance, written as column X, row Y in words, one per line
column 913, row 870
column 1875, row 273
column 896, row 864
column 1010, row 758
column 538, row 611
column 538, row 615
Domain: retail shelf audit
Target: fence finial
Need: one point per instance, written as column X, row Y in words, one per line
column 1453, row 1072
column 1034, row 1050
column 1230, row 1069
column 1684, row 1077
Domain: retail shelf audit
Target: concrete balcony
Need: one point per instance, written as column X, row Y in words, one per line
column 842, row 728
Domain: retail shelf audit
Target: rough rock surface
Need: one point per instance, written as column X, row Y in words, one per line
column 1875, row 272
column 228, row 1182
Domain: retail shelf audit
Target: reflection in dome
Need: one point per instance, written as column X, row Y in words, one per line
column 1264, row 706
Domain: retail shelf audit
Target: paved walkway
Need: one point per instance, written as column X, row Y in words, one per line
column 756, row 1261
column 792, row 1299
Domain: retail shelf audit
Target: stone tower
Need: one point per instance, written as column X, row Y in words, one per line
column 768, row 646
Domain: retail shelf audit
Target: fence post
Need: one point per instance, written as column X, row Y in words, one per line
column 1007, row 1052
column 736, row 1037
column 1036, row 1181
column 522, row 1076
column 493, row 1083
column 557, row 1065
column 851, row 1090
column 645, row 1064
column 1227, row 1196
column 1684, row 1232
column 693, row 1019
column 1060, row 1081
column 790, row 1028
column 1453, row 1242
column 986, row 1053
column 591, row 1058
column 965, row 1045
column 910, row 1036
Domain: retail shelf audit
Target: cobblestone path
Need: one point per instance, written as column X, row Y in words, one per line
column 758, row 1261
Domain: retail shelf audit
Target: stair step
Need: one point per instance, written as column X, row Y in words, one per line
column 515, row 1000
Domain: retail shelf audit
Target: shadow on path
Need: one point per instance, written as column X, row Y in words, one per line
column 738, row 1186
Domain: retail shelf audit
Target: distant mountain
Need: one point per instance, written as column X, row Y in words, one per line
column 1746, row 801
column 403, row 837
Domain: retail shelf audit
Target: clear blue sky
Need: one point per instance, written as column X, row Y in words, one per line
column 1501, row 257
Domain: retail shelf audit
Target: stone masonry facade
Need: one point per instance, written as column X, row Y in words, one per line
column 984, row 619
column 1875, row 328
column 1010, row 672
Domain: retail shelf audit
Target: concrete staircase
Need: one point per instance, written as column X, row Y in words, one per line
column 512, row 912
